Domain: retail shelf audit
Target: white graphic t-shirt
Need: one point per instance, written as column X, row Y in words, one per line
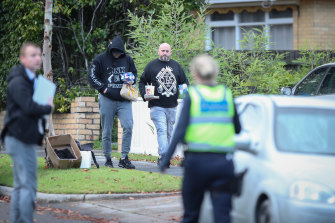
column 167, row 82
column 114, row 78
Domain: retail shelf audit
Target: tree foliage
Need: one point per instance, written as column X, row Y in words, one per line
column 81, row 30
column 173, row 24
column 20, row 21
column 254, row 71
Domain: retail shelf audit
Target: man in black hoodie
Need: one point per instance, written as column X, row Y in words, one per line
column 24, row 129
column 105, row 76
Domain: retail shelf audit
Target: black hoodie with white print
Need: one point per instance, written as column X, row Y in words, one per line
column 105, row 71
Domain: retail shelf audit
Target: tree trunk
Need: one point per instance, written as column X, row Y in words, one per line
column 46, row 56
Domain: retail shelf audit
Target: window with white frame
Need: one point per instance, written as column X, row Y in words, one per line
column 228, row 29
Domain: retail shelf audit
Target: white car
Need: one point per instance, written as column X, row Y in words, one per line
column 288, row 146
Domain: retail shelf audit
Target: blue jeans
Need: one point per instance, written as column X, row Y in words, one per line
column 164, row 119
column 25, row 179
column 108, row 109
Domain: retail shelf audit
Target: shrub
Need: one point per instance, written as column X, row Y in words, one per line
column 248, row 71
column 253, row 71
column 311, row 59
column 173, row 24
column 65, row 95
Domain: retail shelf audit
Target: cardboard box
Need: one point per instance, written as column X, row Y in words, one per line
column 62, row 142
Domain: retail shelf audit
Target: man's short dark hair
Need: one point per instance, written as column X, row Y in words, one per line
column 25, row 45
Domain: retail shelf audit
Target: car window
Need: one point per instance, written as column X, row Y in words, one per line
column 305, row 130
column 251, row 117
column 328, row 85
column 310, row 84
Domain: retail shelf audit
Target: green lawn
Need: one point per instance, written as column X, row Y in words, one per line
column 98, row 145
column 93, row 181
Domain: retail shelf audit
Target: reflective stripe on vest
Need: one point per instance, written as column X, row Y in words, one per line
column 211, row 126
column 203, row 147
column 197, row 120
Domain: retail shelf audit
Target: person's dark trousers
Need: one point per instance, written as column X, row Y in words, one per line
column 202, row 171
column 25, row 179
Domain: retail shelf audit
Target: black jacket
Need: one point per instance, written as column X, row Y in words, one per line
column 21, row 120
column 105, row 71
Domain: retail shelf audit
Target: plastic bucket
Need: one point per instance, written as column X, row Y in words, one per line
column 86, row 157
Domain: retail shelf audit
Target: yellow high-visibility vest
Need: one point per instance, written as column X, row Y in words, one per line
column 211, row 127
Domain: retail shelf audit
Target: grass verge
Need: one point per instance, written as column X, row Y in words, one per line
column 98, row 145
column 93, row 181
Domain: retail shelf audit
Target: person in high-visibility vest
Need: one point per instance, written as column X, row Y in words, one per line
column 208, row 123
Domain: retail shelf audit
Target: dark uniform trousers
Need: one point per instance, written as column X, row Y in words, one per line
column 203, row 171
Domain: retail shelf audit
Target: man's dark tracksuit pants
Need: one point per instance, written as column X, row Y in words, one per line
column 202, row 171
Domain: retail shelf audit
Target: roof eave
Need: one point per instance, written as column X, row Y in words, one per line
column 231, row 4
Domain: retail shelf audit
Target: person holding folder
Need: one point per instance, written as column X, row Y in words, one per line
column 24, row 130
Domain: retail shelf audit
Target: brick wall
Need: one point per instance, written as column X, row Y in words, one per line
column 324, row 25
column 314, row 24
column 83, row 123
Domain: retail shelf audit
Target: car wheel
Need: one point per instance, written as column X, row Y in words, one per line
column 265, row 213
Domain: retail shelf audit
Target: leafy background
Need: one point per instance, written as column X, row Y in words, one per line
column 83, row 29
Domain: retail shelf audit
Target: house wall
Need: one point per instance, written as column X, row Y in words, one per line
column 315, row 27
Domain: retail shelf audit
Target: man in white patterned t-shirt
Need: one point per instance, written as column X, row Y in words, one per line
column 165, row 74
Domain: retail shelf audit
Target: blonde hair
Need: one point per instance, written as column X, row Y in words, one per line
column 205, row 66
